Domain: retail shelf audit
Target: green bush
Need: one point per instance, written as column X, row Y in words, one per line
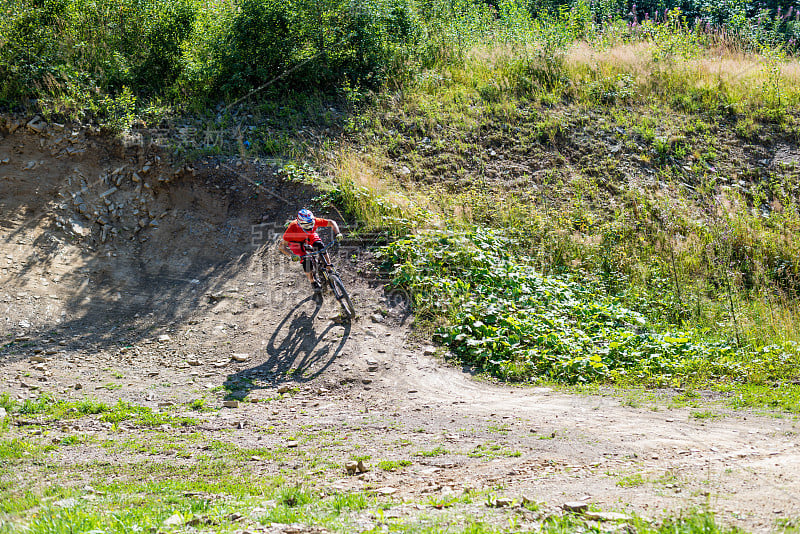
column 261, row 43
column 154, row 51
column 29, row 53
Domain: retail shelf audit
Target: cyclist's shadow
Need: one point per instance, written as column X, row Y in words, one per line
column 296, row 351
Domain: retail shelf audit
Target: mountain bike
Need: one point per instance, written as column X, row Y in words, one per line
column 326, row 275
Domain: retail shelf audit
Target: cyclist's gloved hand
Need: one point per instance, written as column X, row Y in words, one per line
column 295, row 258
column 339, row 237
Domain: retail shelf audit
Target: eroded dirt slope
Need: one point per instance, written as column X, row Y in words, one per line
column 126, row 277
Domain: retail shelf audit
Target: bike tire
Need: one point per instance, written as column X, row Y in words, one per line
column 342, row 296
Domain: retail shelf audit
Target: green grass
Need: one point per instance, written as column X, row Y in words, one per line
column 631, row 481
column 14, row 449
column 199, row 404
column 783, row 397
column 75, row 439
column 439, row 450
column 49, row 408
column 703, row 415
column 223, row 493
column 144, row 416
column 347, row 502
column 197, row 512
column 493, row 450
column 393, row 465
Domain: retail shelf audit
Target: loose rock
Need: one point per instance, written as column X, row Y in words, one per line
column 575, row 506
column 503, row 501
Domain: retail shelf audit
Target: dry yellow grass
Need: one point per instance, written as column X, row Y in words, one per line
column 372, row 193
column 745, row 75
column 635, row 57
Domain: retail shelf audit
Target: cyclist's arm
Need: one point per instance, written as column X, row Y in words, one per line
column 335, row 226
column 284, row 249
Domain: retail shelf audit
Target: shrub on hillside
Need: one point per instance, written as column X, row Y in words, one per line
column 261, row 43
column 29, row 53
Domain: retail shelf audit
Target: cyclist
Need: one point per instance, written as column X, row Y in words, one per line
column 301, row 231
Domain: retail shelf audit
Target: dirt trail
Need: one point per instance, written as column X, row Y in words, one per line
column 113, row 306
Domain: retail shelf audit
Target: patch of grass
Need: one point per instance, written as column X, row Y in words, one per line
column 294, row 496
column 785, row 398
column 56, row 409
column 293, row 504
column 444, row 501
column 143, row 416
column 44, row 404
column 75, row 439
column 89, row 406
column 704, row 415
column 631, row 481
column 436, row 451
column 199, row 404
column 8, row 403
column 350, row 502
column 393, row 465
column 788, row 525
column 493, row 450
column 14, row 449
column 27, row 500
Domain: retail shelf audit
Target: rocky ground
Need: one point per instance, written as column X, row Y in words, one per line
column 125, row 277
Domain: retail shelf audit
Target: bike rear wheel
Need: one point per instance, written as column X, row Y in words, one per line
column 337, row 286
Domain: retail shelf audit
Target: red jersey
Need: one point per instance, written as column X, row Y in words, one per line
column 296, row 236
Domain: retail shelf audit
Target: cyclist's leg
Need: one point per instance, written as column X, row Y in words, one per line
column 308, row 267
column 319, row 245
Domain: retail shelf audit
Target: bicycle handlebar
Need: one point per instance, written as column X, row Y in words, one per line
column 311, row 252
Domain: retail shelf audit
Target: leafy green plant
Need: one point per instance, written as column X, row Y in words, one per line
column 502, row 315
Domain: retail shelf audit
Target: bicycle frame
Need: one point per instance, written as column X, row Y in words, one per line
column 326, row 274
column 318, row 268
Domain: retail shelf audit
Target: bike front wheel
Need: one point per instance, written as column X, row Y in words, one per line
column 337, row 286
